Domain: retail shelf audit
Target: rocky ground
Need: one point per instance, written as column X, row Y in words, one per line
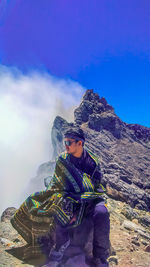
column 130, row 240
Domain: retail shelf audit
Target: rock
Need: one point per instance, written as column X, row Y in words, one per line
column 112, row 251
column 135, row 221
column 135, row 242
column 144, row 234
column 6, row 242
column 144, row 242
column 147, row 249
column 57, row 135
column 90, row 105
column 145, row 220
column 90, row 96
column 126, row 179
column 106, row 121
column 113, row 259
column 140, row 132
column 47, row 181
column 132, row 226
column 8, row 213
column 82, row 113
column 9, row 233
column 114, row 193
column 129, row 213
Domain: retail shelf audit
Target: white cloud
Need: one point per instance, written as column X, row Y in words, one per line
column 28, row 106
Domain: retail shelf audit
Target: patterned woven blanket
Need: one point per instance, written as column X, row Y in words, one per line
column 67, row 194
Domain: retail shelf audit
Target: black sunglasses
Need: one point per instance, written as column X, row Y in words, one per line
column 69, row 143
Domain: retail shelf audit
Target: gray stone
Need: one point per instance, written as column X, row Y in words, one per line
column 145, row 220
column 135, row 242
column 129, row 213
column 47, row 181
column 144, row 242
column 8, row 213
column 132, row 226
column 113, row 259
column 144, row 234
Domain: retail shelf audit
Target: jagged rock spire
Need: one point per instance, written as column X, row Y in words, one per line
column 91, row 104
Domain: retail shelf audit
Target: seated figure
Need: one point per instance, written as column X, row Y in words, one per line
column 74, row 193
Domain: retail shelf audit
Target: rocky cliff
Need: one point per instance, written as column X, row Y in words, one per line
column 123, row 149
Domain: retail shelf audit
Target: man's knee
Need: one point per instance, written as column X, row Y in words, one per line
column 100, row 211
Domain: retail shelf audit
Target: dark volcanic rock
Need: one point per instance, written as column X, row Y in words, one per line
column 82, row 113
column 106, row 120
column 140, row 132
column 91, row 104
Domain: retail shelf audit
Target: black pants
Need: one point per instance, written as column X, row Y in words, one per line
column 99, row 215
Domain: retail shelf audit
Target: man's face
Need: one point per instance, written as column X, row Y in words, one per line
column 73, row 146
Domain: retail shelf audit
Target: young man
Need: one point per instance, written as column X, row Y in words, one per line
column 73, row 193
column 88, row 194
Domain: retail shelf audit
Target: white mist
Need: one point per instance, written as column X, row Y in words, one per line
column 28, row 107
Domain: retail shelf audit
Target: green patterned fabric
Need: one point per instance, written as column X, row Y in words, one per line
column 67, row 194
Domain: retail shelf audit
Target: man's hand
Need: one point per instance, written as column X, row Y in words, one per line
column 73, row 219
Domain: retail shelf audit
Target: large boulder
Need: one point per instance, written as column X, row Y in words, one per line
column 7, row 214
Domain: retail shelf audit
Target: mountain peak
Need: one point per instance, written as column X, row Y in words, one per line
column 91, row 104
column 123, row 149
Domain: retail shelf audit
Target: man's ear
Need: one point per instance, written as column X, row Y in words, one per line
column 80, row 142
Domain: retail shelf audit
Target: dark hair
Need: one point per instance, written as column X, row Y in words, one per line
column 75, row 133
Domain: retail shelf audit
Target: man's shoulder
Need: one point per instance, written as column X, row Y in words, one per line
column 92, row 155
column 62, row 155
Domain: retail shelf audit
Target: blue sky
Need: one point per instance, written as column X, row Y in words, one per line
column 101, row 44
column 51, row 51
